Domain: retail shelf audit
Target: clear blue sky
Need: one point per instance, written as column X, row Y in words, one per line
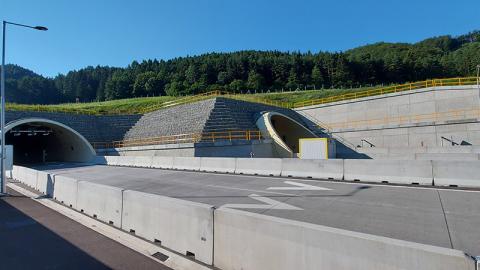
column 108, row 32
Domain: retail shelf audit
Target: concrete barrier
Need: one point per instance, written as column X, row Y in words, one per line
column 143, row 161
column 128, row 161
column 456, row 173
column 112, row 160
column 223, row 165
column 65, row 190
column 45, row 183
column 260, row 166
column 389, row 171
column 162, row 162
column 101, row 202
column 245, row 240
column 320, row 169
column 29, row 177
column 186, row 163
column 100, row 160
column 182, row 226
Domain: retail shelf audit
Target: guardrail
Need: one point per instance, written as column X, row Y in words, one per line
column 389, row 90
column 229, row 135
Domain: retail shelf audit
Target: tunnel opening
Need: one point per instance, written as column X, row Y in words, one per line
column 285, row 133
column 38, row 141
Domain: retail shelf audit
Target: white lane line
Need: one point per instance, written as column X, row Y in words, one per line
column 175, row 261
column 254, row 190
column 298, row 186
column 268, row 204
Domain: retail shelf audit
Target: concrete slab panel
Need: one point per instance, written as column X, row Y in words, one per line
column 320, row 169
column 128, row 161
column 246, row 240
column 162, row 162
column 143, row 161
column 65, row 190
column 112, row 160
column 185, row 227
column 45, row 183
column 456, row 173
column 186, row 163
column 446, row 156
column 390, row 171
column 259, row 166
column 101, row 202
column 224, row 165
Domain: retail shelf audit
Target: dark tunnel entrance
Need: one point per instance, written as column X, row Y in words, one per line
column 40, row 140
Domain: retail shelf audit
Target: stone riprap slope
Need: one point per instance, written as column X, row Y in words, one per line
column 181, row 119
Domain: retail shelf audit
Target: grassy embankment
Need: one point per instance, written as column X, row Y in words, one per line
column 147, row 104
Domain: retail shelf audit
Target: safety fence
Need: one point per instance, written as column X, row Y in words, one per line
column 229, row 135
column 389, row 90
column 407, row 119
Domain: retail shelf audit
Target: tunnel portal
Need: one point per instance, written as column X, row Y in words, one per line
column 38, row 141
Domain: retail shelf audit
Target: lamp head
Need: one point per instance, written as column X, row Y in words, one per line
column 41, row 28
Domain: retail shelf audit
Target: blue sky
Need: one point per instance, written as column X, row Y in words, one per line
column 108, row 32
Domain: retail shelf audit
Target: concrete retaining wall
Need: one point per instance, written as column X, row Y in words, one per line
column 224, row 165
column 245, row 240
column 183, row 226
column 261, row 166
column 389, row 171
column 456, row 173
column 321, row 169
column 100, row 201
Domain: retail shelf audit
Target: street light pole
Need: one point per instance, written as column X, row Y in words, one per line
column 2, row 102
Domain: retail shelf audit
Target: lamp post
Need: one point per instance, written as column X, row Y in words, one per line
column 2, row 102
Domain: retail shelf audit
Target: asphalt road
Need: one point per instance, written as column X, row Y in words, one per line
column 440, row 217
column 36, row 237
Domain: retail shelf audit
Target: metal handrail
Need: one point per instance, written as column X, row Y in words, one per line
column 185, row 138
column 449, row 140
column 369, row 143
column 389, row 90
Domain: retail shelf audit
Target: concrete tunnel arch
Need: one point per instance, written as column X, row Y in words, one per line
column 284, row 131
column 38, row 140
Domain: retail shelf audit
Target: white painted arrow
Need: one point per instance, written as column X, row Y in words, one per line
column 298, row 186
column 269, row 204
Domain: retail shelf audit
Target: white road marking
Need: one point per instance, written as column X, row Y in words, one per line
column 268, row 204
column 298, row 186
column 254, row 190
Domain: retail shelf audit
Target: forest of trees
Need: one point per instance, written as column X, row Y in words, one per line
column 380, row 63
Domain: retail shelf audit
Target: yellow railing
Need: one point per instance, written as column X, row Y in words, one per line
column 389, row 90
column 248, row 135
column 407, row 119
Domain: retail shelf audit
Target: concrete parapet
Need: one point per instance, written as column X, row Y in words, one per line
column 126, row 161
column 321, row 169
column 186, row 163
column 183, row 226
column 259, row 166
column 112, row 160
column 224, row 165
column 245, row 240
column 389, row 171
column 101, row 202
column 456, row 173
column 65, row 190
